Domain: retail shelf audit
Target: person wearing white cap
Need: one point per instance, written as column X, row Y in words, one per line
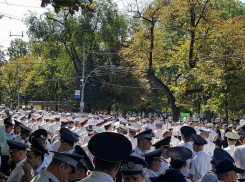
column 158, row 131
column 231, row 139
column 210, row 146
column 37, row 123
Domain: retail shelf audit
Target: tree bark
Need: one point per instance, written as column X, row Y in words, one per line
column 174, row 108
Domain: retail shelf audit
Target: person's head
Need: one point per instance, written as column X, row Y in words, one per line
column 164, row 144
column 159, row 124
column 80, row 173
column 108, row 127
column 198, row 142
column 131, row 133
column 166, row 133
column 16, row 150
column 8, row 128
column 192, row 125
column 204, row 133
column 144, row 144
column 144, row 140
column 227, row 171
column 83, row 165
column 17, row 155
column 177, row 164
column 60, row 169
column 24, row 135
column 232, row 138
column 133, row 169
column 154, row 159
column 35, row 159
column 17, row 129
column 179, row 156
column 108, row 152
column 106, row 166
column 186, row 132
column 35, row 154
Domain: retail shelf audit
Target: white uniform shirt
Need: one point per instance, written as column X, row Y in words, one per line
column 44, row 176
column 239, row 157
column 149, row 173
column 137, row 152
column 164, row 166
column 209, row 147
column 212, row 135
column 52, row 128
column 35, row 125
column 209, row 177
column 200, row 165
column 158, row 133
column 5, row 147
column 56, row 145
column 175, row 131
column 17, row 173
column 230, row 149
column 174, row 141
column 98, row 176
column 134, row 142
column 188, row 145
column 85, row 148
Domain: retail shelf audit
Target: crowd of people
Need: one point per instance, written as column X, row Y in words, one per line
column 38, row 146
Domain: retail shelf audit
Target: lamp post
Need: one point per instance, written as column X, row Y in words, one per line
column 84, row 83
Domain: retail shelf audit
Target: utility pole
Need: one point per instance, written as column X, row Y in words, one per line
column 18, row 83
column 17, row 73
column 82, row 97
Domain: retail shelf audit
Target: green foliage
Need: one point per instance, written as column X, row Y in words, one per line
column 17, row 48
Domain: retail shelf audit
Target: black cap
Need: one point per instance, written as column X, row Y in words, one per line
column 24, row 128
column 148, row 134
column 36, row 146
column 220, row 154
column 225, row 166
column 133, row 165
column 198, row 140
column 187, row 131
column 111, row 147
column 85, row 161
column 164, row 143
column 156, row 154
column 8, row 122
column 179, row 153
column 170, row 175
column 40, row 134
column 68, row 136
column 13, row 146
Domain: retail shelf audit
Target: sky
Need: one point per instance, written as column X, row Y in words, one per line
column 19, row 10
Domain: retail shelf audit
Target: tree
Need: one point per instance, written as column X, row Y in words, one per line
column 60, row 37
column 17, row 48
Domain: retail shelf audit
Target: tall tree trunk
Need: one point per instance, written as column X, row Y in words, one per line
column 174, row 108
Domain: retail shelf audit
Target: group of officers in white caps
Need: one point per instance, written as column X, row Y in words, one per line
column 52, row 147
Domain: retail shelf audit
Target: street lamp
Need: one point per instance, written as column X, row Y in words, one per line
column 84, row 83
